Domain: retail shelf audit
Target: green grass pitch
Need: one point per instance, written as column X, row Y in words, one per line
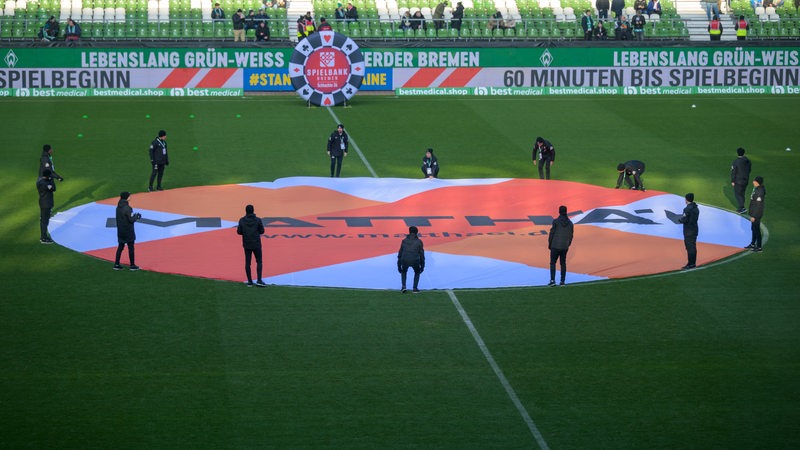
column 93, row 358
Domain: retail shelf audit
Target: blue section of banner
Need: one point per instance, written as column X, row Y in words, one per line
column 267, row 80
column 278, row 80
column 376, row 79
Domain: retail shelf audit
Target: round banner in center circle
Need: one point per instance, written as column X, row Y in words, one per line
column 326, row 68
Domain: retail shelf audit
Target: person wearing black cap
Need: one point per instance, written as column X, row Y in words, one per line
column 756, row 212
column 558, row 242
column 631, row 168
column 411, row 254
column 740, row 176
column 544, row 155
column 159, row 159
column 430, row 165
column 46, row 162
column 690, row 230
column 338, row 144
column 251, row 228
column 46, row 186
column 126, row 235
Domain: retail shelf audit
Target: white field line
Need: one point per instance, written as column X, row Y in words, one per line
column 499, row 373
column 355, row 146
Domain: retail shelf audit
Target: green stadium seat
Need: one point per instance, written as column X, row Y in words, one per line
column 430, row 33
column 466, row 33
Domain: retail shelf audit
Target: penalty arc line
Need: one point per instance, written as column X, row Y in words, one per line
column 498, row 372
column 355, row 146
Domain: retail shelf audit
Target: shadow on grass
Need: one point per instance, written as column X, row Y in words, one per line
column 81, row 197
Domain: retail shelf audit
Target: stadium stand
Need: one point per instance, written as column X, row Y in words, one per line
column 175, row 20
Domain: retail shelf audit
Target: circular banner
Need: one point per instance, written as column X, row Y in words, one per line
column 346, row 232
column 326, row 68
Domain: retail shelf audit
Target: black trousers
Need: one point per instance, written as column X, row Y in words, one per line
column 554, row 256
column 131, row 252
column 404, row 273
column 336, row 163
column 690, row 242
column 755, row 228
column 738, row 193
column 544, row 168
column 637, row 180
column 248, row 256
column 44, row 221
column 158, row 169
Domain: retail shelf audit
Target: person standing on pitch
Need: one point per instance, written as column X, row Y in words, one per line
column 338, row 144
column 126, row 235
column 558, row 242
column 159, row 159
column 740, row 176
column 545, row 153
column 46, row 162
column 756, row 212
column 46, row 186
column 411, row 254
column 251, row 228
column 690, row 230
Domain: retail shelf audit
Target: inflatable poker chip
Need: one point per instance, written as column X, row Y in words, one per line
column 326, row 68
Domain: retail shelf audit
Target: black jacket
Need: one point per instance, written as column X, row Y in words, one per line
column 250, row 228
column 238, row 21
column 125, row 221
column 757, row 202
column 46, row 187
column 262, row 33
column 689, row 220
column 632, row 167
column 337, row 141
column 46, row 162
column 430, row 163
column 740, row 170
column 560, row 237
column 411, row 252
column 158, row 152
column 545, row 152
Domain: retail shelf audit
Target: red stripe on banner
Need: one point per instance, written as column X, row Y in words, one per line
column 423, row 77
column 216, row 78
column 178, row 78
column 460, row 77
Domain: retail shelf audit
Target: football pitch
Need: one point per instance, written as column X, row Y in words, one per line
column 93, row 358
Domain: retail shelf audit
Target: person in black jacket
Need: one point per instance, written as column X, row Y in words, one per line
column 159, row 159
column 262, row 31
column 238, row 21
column 126, row 235
column 756, row 212
column 630, row 169
column 558, row 242
column 690, row 230
column 46, row 186
column 740, row 176
column 545, row 153
column 430, row 165
column 411, row 254
column 338, row 144
column 46, row 162
column 251, row 228
column 458, row 17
